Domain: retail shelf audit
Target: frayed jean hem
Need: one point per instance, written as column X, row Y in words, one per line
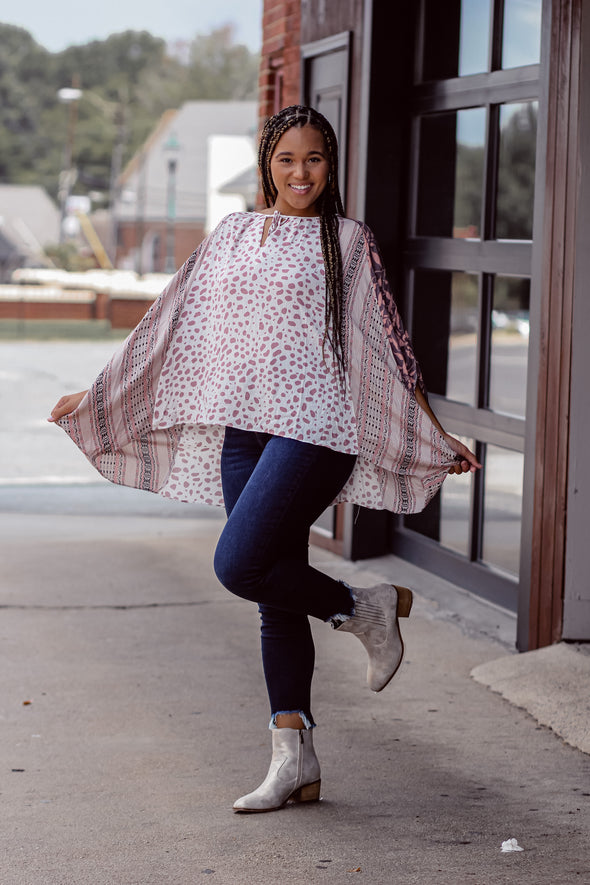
column 338, row 619
column 306, row 722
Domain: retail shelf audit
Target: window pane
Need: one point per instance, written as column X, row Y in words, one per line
column 521, row 44
column 455, row 503
column 445, row 332
column 471, row 134
column 450, row 174
column 456, row 38
column 462, row 360
column 510, row 344
column 475, row 36
column 516, row 171
column 502, row 508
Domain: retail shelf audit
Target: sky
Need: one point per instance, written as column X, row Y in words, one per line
column 56, row 24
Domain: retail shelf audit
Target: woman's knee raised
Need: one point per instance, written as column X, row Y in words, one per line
column 234, row 571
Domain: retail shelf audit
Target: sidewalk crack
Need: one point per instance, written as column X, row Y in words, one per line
column 105, row 606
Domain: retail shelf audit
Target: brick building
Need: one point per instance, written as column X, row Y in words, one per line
column 465, row 138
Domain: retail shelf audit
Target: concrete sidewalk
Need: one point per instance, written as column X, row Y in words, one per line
column 134, row 713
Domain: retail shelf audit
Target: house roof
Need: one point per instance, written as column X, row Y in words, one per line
column 245, row 183
column 29, row 220
column 136, row 160
column 144, row 182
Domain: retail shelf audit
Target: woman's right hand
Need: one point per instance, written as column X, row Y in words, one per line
column 66, row 404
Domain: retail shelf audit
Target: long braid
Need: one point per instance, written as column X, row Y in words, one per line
column 329, row 206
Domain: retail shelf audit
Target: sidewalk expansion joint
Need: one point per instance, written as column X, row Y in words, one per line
column 104, row 606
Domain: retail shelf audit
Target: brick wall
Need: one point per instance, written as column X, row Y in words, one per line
column 187, row 237
column 46, row 310
column 279, row 81
column 119, row 311
column 126, row 313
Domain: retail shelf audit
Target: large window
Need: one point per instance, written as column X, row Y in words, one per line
column 468, row 259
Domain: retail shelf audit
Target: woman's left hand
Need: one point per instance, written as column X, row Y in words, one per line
column 466, row 462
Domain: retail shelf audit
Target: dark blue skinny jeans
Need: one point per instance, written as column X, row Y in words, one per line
column 274, row 490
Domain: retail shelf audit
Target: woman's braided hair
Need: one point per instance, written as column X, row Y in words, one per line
column 329, row 206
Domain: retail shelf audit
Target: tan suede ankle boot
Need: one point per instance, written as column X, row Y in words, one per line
column 375, row 622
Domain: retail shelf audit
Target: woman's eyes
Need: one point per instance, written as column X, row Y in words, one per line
column 286, row 160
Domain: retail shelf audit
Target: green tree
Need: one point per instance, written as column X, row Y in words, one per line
column 23, row 92
column 220, row 68
column 127, row 80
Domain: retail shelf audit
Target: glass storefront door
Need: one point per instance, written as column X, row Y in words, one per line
column 467, row 264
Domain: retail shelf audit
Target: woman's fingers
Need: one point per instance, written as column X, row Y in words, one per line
column 66, row 404
column 466, row 460
column 461, row 467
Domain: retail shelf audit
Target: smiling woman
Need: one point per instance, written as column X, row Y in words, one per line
column 262, row 382
column 299, row 168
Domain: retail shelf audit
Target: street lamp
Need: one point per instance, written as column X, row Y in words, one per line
column 115, row 111
column 171, row 147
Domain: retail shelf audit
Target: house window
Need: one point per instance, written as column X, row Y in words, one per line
column 278, row 79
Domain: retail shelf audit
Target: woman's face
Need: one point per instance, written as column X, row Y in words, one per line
column 299, row 168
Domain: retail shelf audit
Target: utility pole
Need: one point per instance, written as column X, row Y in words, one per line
column 116, row 166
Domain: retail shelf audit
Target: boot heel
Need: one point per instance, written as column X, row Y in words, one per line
column 307, row 793
column 404, row 602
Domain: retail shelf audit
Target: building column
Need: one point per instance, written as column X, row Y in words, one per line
column 576, row 602
column 555, row 259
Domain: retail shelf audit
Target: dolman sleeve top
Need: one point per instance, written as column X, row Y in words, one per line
column 237, row 339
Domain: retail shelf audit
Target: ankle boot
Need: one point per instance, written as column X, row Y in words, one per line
column 375, row 622
column 294, row 773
